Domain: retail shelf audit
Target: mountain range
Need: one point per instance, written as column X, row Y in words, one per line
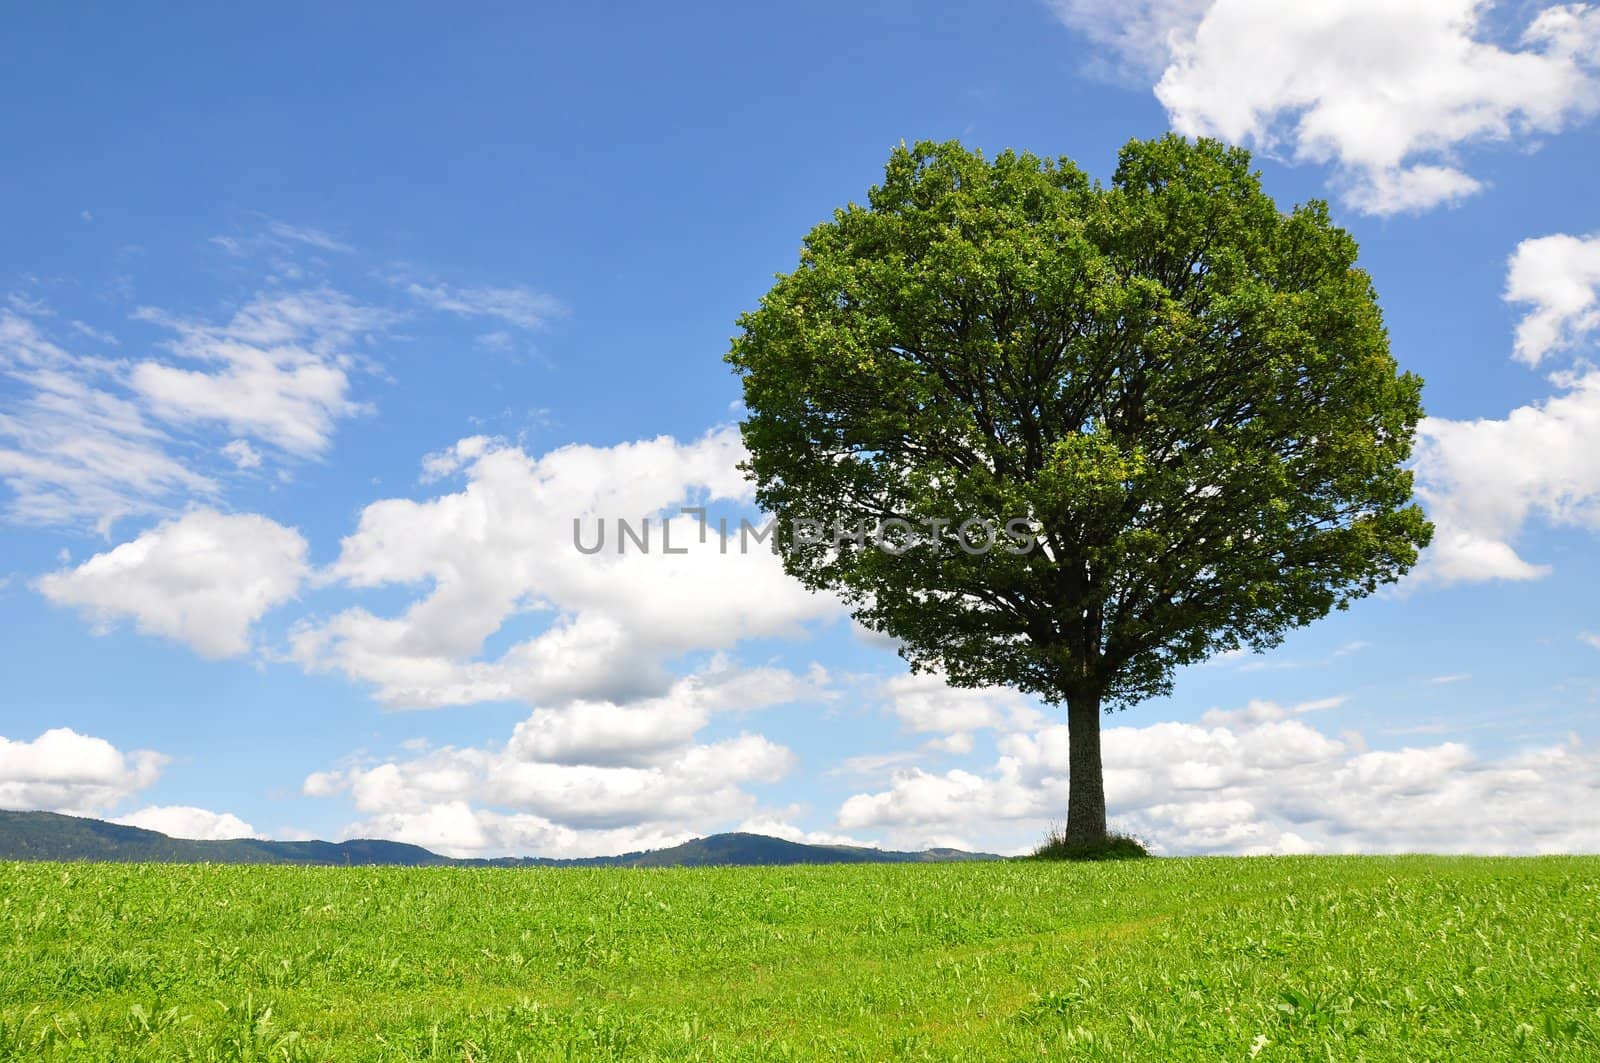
column 53, row 836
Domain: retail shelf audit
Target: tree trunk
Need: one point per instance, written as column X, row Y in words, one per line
column 1086, row 782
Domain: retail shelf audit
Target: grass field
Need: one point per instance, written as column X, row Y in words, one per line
column 1273, row 958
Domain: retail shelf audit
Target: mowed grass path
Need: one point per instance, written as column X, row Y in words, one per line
column 1402, row 958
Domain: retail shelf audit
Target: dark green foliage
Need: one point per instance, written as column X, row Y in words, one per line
column 1188, row 391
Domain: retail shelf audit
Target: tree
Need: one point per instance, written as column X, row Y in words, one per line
column 1186, row 393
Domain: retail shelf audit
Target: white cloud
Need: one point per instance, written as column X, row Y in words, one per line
column 242, row 454
column 73, row 450
column 186, row 821
column 1135, row 38
column 22, row 303
column 1256, row 780
column 1261, row 711
column 202, row 579
column 282, row 239
column 925, row 702
column 502, row 549
column 1560, row 276
column 959, row 742
column 456, row 828
column 277, row 372
column 589, row 778
column 1411, row 190
column 777, row 825
column 323, row 784
column 457, row 456
column 83, row 328
column 1591, row 639
column 1386, row 90
column 1483, row 480
column 64, row 771
column 94, row 440
column 505, row 801
column 637, row 734
column 522, row 307
column 311, row 237
column 875, row 764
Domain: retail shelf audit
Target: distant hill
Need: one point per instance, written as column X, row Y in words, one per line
column 52, row 836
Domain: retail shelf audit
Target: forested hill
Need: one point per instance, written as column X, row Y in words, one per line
column 52, row 836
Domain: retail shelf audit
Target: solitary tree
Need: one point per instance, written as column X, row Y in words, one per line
column 1185, row 393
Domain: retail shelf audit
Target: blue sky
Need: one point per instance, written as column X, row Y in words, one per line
column 319, row 326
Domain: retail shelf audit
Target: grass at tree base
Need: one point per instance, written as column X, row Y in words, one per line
column 1112, row 847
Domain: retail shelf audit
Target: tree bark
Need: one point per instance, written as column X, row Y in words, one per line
column 1086, row 782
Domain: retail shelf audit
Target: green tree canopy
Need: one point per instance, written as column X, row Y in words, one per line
column 1187, row 392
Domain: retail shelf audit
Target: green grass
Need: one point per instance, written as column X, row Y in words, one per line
column 1277, row 958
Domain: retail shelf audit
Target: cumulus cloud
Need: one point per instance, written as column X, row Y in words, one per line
column 589, row 778
column 502, row 801
column 1386, row 91
column 502, row 548
column 637, row 734
column 924, row 701
column 64, row 771
column 186, row 821
column 456, row 828
column 1560, row 276
column 1483, row 480
column 778, row 825
column 202, row 579
column 1256, row 780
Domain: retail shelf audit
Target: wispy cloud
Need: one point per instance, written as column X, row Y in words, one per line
column 83, row 328
column 90, row 436
column 1437, row 727
column 498, row 340
column 305, row 234
column 270, row 234
column 90, row 440
column 28, row 305
column 523, row 307
column 277, row 371
column 74, row 448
